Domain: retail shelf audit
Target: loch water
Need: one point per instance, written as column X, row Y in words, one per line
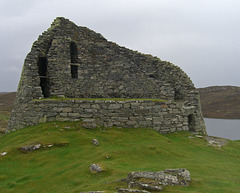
column 225, row 128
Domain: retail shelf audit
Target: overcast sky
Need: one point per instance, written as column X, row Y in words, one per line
column 200, row 36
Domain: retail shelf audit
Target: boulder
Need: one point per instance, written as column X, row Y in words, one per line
column 155, row 181
column 95, row 168
column 95, row 142
column 132, row 190
column 4, row 153
column 145, row 186
column 30, row 148
column 166, row 177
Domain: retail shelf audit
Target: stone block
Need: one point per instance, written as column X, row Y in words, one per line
column 95, row 106
column 67, row 110
column 62, row 119
column 132, row 123
column 115, row 106
column 164, row 106
column 73, row 114
column 43, row 119
column 85, row 105
column 64, row 114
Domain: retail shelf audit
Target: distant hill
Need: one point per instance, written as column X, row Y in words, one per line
column 220, row 102
column 6, row 105
column 7, row 100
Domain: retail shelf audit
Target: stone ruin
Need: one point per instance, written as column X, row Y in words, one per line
column 74, row 74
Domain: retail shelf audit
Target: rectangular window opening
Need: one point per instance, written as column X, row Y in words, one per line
column 74, row 71
column 73, row 52
column 42, row 66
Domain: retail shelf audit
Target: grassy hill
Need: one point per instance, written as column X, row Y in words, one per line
column 220, row 102
column 121, row 151
column 6, row 104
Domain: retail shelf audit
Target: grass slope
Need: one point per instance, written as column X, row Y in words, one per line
column 66, row 169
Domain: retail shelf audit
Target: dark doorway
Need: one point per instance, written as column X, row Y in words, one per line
column 74, row 71
column 44, row 83
column 191, row 122
column 44, row 80
column 42, row 66
column 73, row 52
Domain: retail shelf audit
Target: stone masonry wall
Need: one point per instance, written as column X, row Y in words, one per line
column 75, row 62
column 164, row 117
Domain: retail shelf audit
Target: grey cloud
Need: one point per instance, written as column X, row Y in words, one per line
column 200, row 36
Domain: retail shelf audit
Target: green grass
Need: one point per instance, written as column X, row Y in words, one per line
column 66, row 169
column 4, row 116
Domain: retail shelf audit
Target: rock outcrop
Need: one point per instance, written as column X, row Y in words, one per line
column 155, row 181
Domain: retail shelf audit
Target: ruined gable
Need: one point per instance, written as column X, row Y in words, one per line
column 74, row 62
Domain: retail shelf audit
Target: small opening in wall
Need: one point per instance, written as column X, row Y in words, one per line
column 73, row 52
column 44, row 83
column 42, row 66
column 151, row 76
column 178, row 95
column 191, row 122
column 74, row 71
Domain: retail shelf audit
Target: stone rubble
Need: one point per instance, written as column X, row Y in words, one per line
column 95, row 168
column 216, row 141
column 155, row 181
column 122, row 190
column 31, row 148
column 95, row 142
column 3, row 153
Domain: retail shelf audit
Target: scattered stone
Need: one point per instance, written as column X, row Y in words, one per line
column 145, row 186
column 166, row 177
column 95, row 168
column 67, row 127
column 50, row 145
column 155, row 181
column 3, row 153
column 216, row 142
column 30, row 148
column 93, row 192
column 95, row 142
column 132, row 190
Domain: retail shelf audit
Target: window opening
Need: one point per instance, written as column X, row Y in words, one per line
column 74, row 71
column 44, row 80
column 73, row 52
column 178, row 95
column 42, row 66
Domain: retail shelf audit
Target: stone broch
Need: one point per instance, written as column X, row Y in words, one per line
column 76, row 63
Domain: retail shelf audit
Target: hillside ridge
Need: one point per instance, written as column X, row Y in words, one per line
column 220, row 102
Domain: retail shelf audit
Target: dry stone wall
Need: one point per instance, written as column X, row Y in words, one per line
column 76, row 62
column 164, row 117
